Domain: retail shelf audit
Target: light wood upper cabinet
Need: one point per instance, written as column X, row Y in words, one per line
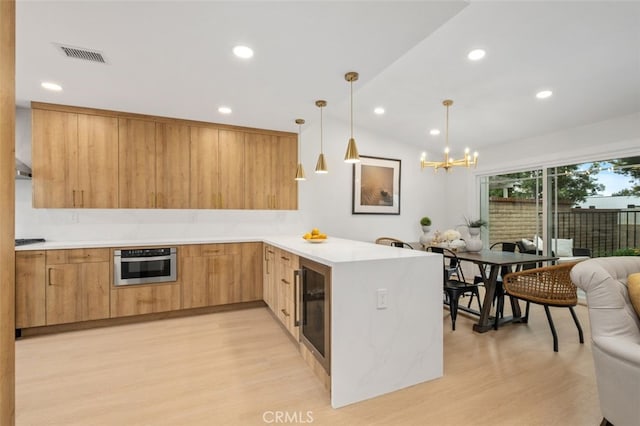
column 75, row 160
column 205, row 192
column 285, row 186
column 137, row 163
column 54, row 151
column 172, row 165
column 269, row 176
column 97, row 165
column 77, row 285
column 231, row 169
column 259, row 156
column 89, row 158
column 30, row 289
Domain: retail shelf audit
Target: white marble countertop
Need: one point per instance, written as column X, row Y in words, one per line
column 330, row 252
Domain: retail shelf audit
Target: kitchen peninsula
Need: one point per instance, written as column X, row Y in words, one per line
column 385, row 304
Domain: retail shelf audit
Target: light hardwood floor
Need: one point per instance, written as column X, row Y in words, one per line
column 239, row 368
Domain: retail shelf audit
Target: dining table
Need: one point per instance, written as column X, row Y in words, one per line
column 495, row 261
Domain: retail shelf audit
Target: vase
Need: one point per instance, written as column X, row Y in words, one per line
column 474, row 243
column 426, row 237
column 474, row 231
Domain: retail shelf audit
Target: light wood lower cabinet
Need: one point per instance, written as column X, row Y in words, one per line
column 30, row 289
column 77, row 285
column 269, row 276
column 66, row 286
column 285, row 288
column 218, row 274
column 144, row 299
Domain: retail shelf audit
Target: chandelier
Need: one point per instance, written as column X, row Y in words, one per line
column 467, row 161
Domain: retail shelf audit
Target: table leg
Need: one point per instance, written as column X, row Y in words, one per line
column 490, row 286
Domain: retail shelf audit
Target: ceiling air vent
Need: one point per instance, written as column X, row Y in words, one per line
column 82, row 53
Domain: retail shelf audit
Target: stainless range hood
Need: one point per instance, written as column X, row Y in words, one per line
column 22, row 170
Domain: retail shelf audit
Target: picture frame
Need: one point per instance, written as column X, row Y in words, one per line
column 376, row 186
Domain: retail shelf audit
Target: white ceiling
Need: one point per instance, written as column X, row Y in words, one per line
column 174, row 59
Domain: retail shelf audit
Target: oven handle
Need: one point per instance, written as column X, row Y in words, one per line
column 146, row 259
column 298, row 276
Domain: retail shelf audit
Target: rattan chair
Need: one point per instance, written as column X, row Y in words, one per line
column 389, row 241
column 546, row 286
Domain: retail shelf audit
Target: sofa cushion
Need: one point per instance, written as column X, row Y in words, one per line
column 633, row 285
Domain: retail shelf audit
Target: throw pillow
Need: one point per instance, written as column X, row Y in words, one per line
column 538, row 242
column 633, row 284
column 564, row 247
column 528, row 244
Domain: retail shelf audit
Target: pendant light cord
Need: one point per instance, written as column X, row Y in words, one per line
column 351, row 85
column 321, row 150
column 447, row 135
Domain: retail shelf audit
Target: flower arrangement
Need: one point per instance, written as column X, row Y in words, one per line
column 451, row 234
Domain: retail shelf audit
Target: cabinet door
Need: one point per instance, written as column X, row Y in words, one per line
column 77, row 292
column 30, row 289
column 231, row 169
column 194, row 274
column 172, row 166
column 269, row 276
column 259, row 149
column 251, row 272
column 54, row 153
column 225, row 276
column 136, row 164
column 205, row 193
column 97, row 162
column 285, row 187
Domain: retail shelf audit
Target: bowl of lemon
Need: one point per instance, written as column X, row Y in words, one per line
column 315, row 236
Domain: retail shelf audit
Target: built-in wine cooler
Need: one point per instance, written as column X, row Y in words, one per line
column 314, row 302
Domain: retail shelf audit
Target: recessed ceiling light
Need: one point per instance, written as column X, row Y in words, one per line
column 51, row 86
column 544, row 94
column 224, row 110
column 243, row 52
column 434, row 132
column 476, row 54
column 379, row 110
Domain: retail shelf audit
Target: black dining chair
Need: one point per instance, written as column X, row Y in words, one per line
column 498, row 297
column 454, row 288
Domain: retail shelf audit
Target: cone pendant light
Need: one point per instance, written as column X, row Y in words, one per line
column 300, row 170
column 351, row 156
column 321, row 165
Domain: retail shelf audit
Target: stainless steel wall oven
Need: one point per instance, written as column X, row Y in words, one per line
column 144, row 266
column 314, row 303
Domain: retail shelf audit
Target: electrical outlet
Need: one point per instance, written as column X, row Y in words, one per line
column 382, row 298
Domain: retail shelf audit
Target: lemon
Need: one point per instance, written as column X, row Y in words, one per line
column 315, row 231
column 306, row 236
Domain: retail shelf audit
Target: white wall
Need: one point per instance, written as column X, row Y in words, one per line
column 327, row 199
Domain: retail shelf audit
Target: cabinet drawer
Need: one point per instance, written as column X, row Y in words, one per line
column 78, row 256
column 287, row 259
column 137, row 300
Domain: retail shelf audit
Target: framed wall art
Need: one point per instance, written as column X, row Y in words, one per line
column 376, row 186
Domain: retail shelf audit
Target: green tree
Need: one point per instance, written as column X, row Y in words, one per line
column 629, row 166
column 573, row 185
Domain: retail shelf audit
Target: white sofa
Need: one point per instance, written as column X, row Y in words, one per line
column 615, row 335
